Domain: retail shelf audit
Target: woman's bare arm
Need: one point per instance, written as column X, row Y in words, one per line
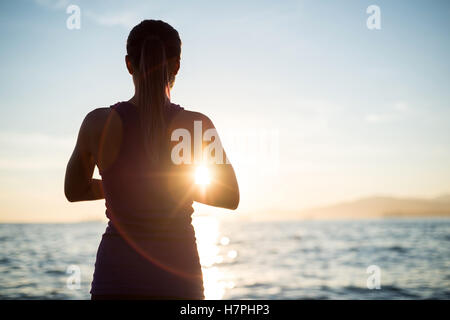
column 79, row 184
column 223, row 189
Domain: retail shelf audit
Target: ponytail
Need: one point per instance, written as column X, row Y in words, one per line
column 152, row 84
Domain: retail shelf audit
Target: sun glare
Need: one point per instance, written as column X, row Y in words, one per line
column 215, row 281
column 202, row 176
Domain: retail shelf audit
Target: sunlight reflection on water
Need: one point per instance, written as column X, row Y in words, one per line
column 210, row 245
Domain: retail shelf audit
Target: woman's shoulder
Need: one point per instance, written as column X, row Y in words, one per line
column 99, row 116
column 186, row 118
column 96, row 121
column 102, row 113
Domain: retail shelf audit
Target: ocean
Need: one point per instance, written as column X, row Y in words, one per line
column 360, row 259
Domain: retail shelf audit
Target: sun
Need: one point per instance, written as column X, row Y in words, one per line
column 202, row 176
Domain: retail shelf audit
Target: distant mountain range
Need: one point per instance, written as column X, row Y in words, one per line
column 369, row 207
column 383, row 206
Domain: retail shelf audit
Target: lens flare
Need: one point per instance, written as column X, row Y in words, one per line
column 202, row 176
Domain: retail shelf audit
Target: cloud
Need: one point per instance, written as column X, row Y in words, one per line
column 401, row 106
column 124, row 19
column 395, row 112
column 35, row 140
column 379, row 118
column 32, row 163
column 53, row 4
column 31, row 151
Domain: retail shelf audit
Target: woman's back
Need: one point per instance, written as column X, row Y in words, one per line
column 136, row 189
column 149, row 242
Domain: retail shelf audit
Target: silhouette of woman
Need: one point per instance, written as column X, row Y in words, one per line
column 148, row 250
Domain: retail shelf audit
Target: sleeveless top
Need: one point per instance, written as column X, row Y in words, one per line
column 149, row 246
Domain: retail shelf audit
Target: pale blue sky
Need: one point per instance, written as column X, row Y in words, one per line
column 358, row 111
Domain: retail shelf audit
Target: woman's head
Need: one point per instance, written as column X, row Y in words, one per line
column 154, row 29
column 153, row 58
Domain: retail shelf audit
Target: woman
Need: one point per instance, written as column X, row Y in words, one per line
column 148, row 250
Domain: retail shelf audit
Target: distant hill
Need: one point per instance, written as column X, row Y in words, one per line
column 364, row 208
column 383, row 206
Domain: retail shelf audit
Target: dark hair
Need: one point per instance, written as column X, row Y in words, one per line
column 153, row 48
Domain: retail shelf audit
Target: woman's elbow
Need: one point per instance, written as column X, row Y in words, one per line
column 69, row 195
column 233, row 202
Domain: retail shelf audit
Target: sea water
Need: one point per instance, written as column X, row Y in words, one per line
column 250, row 260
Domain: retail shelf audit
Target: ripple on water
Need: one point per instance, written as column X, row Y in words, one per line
column 398, row 249
column 328, row 261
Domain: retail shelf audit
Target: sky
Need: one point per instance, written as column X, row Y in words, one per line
column 312, row 106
